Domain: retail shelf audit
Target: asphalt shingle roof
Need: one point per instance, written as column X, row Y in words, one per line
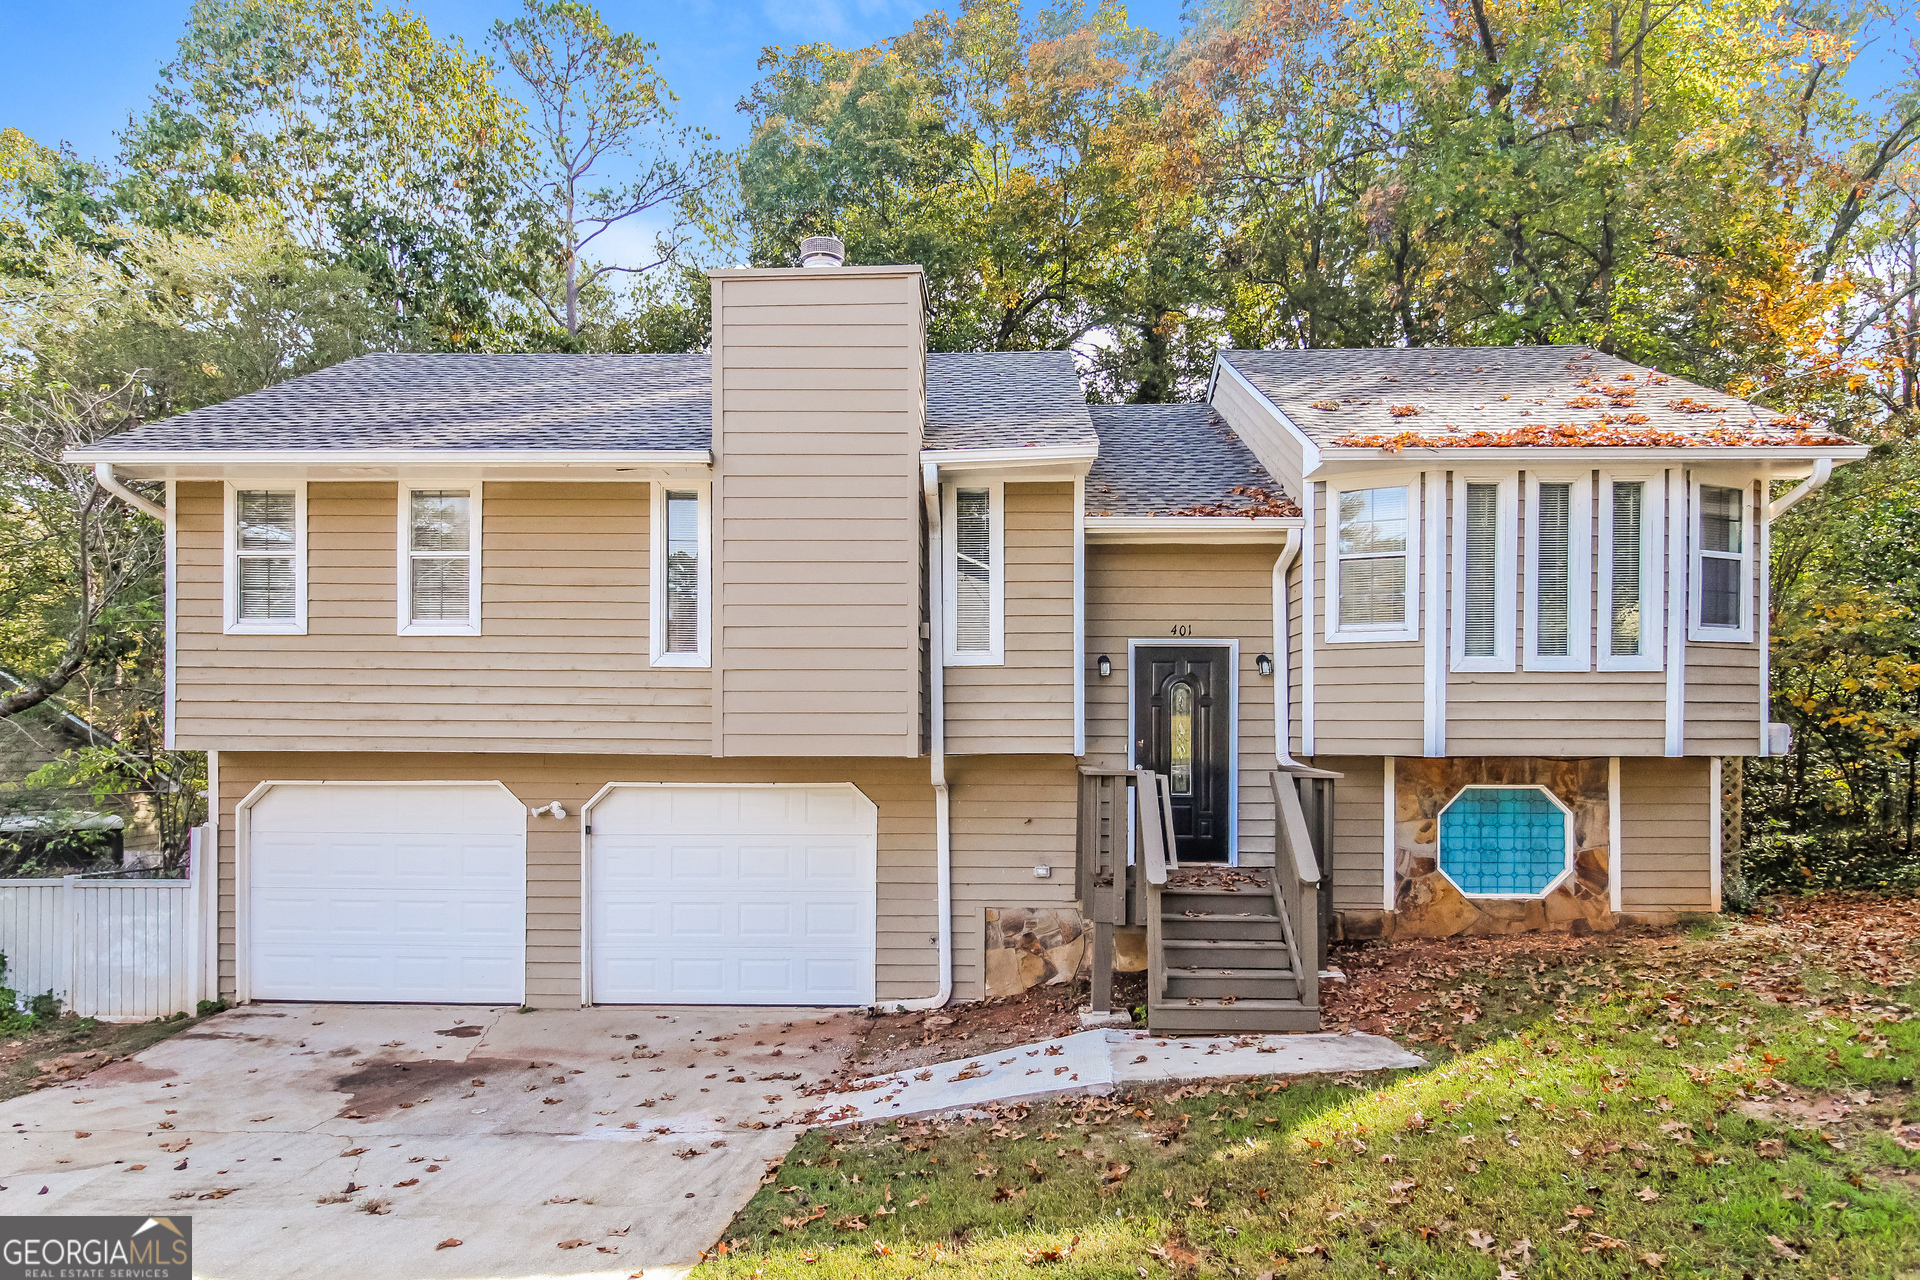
column 553, row 401
column 459, row 401
column 1176, row 459
column 1334, row 393
column 1005, row 400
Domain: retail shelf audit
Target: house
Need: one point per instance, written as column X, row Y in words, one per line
column 792, row 673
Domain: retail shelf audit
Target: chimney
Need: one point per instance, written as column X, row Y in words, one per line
column 822, row 251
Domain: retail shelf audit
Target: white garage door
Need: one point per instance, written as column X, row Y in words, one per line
column 732, row 895
column 404, row 893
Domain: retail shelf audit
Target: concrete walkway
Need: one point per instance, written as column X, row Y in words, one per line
column 1100, row 1062
column 638, row 1132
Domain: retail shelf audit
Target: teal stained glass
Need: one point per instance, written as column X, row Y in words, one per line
column 1503, row 840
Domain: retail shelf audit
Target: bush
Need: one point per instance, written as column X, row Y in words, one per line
column 208, row 1007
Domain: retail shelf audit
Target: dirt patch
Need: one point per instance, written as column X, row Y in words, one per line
column 899, row 1041
column 75, row 1048
column 381, row 1086
column 1802, row 1113
column 129, row 1071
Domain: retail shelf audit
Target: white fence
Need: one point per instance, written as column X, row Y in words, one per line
column 122, row 950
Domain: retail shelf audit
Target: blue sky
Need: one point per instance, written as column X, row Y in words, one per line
column 76, row 68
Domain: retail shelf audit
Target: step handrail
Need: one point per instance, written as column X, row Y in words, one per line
column 1156, row 825
column 1296, row 886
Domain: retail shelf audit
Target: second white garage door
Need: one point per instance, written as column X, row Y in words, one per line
column 732, row 894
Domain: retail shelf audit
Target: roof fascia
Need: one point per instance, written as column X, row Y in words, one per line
column 1190, row 528
column 1310, row 455
column 408, row 459
column 1798, row 455
column 1078, row 458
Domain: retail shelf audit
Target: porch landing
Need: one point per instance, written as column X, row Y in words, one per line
column 1100, row 1062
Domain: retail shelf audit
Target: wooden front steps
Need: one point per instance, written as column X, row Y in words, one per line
column 1225, row 963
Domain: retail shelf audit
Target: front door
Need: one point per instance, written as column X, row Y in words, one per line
column 1182, row 707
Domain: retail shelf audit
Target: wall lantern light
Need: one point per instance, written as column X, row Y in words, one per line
column 1104, row 666
column 1263, row 664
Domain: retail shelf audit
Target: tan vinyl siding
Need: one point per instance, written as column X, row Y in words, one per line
column 819, row 387
column 1254, row 421
column 1359, row 830
column 1025, row 705
column 1369, row 695
column 1666, row 835
column 907, row 957
column 1010, row 814
column 560, row 664
column 1143, row 592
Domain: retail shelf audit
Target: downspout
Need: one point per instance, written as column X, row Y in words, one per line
column 937, row 696
column 104, row 477
column 1283, row 658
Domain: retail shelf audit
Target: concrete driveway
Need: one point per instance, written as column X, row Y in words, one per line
column 281, row 1128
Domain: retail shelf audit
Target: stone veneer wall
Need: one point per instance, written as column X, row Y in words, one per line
column 1428, row 905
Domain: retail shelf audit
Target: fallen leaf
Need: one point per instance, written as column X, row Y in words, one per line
column 573, row 1244
column 1782, row 1249
column 449, row 1243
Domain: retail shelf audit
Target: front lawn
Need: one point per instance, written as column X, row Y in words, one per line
column 1734, row 1103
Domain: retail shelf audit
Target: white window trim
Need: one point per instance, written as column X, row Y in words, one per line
column 229, row 584
column 1749, row 532
column 994, row 654
column 1566, row 870
column 1653, row 570
column 404, row 619
column 1377, row 634
column 1505, row 586
column 1579, row 655
column 657, row 575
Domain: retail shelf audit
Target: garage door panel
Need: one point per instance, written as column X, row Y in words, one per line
column 403, row 893
column 752, row 895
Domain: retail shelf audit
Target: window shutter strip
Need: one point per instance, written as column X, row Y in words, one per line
column 683, row 571
column 1552, row 534
column 1629, row 503
column 973, row 571
column 1481, row 639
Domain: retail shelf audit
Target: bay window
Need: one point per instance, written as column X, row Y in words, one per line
column 1485, row 519
column 1632, row 568
column 1559, row 572
column 1722, row 567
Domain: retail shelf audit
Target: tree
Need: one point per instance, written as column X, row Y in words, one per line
column 380, row 147
column 598, row 102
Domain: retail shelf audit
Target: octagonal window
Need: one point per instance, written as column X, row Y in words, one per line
column 1505, row 842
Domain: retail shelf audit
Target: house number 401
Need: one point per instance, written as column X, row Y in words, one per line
column 1184, row 629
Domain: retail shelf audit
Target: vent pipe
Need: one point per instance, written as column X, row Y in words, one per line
column 822, row 251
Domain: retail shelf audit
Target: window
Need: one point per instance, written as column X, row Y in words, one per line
column 1721, row 577
column 266, row 558
column 1559, row 537
column 1632, row 569
column 976, row 576
column 1506, row 842
column 440, row 561
column 1484, row 550
column 681, row 596
column 1373, row 564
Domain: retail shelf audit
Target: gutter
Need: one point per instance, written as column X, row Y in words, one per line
column 937, row 696
column 104, row 477
column 1822, row 472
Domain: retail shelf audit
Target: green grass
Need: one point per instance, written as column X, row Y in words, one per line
column 1582, row 1120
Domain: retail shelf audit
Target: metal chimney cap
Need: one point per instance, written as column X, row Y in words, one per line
column 822, row 251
